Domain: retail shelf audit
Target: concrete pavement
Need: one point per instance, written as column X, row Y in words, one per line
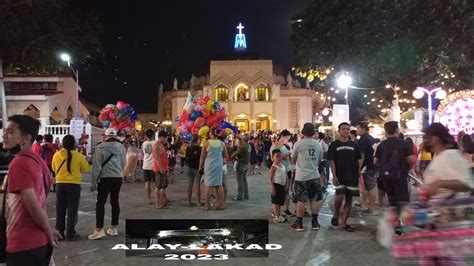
column 329, row 246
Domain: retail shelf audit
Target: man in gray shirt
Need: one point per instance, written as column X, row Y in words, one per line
column 307, row 154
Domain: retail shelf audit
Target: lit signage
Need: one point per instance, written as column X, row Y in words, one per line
column 240, row 43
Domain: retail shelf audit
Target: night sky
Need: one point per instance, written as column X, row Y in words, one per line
column 151, row 42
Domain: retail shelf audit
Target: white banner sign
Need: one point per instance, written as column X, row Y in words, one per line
column 76, row 128
column 340, row 114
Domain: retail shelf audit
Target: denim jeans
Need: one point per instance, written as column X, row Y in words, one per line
column 105, row 186
column 243, row 189
column 67, row 202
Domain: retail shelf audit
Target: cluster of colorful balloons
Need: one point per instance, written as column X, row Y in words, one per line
column 201, row 114
column 120, row 116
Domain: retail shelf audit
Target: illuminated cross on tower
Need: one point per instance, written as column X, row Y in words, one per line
column 240, row 28
column 240, row 43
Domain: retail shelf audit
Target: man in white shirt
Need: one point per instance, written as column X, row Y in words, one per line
column 307, row 153
column 148, row 174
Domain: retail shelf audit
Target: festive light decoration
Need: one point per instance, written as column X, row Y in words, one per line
column 311, row 74
column 240, row 42
column 456, row 112
column 420, row 91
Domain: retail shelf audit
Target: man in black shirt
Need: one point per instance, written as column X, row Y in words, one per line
column 368, row 169
column 345, row 159
column 396, row 188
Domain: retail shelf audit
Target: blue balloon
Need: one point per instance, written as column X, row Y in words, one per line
column 217, row 105
column 176, row 119
column 134, row 117
column 106, row 124
column 186, row 137
column 225, row 124
column 194, row 115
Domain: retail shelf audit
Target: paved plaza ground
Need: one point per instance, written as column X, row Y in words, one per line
column 329, row 246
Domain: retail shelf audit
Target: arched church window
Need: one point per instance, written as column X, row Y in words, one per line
column 32, row 111
column 70, row 112
column 56, row 115
column 242, row 93
column 221, row 93
column 262, row 93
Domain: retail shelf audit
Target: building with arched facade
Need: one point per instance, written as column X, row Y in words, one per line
column 254, row 97
column 52, row 100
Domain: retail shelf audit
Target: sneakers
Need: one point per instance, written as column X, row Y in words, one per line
column 298, row 227
column 279, row 219
column 97, row 235
column 315, row 225
column 112, row 231
column 287, row 212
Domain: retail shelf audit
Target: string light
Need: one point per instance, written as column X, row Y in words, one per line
column 413, row 101
column 397, row 88
column 372, row 92
column 365, row 96
column 373, row 100
column 388, row 86
column 380, row 101
column 332, row 88
column 405, row 91
column 333, row 99
column 337, row 91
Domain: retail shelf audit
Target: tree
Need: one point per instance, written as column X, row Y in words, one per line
column 404, row 42
column 33, row 32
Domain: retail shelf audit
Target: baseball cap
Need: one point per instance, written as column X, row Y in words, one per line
column 111, row 132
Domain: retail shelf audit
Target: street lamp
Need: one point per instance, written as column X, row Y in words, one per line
column 344, row 81
column 66, row 58
column 439, row 94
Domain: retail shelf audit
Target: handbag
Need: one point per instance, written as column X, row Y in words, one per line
column 3, row 227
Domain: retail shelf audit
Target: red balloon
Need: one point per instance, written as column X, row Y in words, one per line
column 205, row 113
column 211, row 121
column 200, row 121
column 195, row 130
column 103, row 117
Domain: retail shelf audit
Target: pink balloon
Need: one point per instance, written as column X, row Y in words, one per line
column 121, row 105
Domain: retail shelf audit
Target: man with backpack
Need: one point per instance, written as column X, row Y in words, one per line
column 107, row 176
column 394, row 159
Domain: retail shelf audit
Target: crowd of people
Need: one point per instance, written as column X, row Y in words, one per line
column 298, row 175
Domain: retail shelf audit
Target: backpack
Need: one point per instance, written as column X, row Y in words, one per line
column 45, row 150
column 390, row 165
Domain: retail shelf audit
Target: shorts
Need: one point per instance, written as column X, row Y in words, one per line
column 161, row 180
column 397, row 190
column 309, row 190
column 149, row 176
column 370, row 179
column 193, row 173
column 289, row 174
column 280, row 195
column 347, row 190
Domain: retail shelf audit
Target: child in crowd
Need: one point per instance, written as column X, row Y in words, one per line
column 182, row 155
column 277, row 185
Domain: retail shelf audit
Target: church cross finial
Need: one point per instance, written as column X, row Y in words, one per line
column 240, row 28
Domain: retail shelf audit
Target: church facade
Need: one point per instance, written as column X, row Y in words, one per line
column 254, row 97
